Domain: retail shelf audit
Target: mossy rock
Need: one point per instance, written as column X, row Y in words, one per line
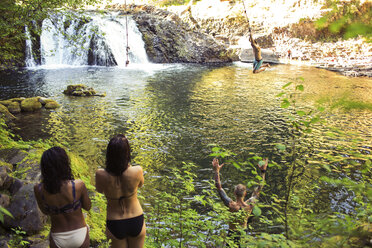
column 71, row 88
column 14, row 108
column 79, row 90
column 4, row 111
column 17, row 99
column 51, row 104
column 6, row 103
column 31, row 104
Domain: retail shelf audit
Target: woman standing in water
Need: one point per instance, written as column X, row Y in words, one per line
column 61, row 197
column 119, row 181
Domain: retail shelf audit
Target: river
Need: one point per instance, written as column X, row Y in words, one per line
column 172, row 113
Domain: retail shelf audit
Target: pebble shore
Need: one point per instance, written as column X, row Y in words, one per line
column 351, row 57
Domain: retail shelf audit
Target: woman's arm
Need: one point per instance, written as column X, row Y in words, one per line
column 141, row 177
column 38, row 199
column 99, row 181
column 216, row 167
column 85, row 200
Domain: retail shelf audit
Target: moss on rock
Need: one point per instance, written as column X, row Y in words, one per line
column 4, row 111
column 30, row 104
column 6, row 102
column 80, row 90
column 52, row 105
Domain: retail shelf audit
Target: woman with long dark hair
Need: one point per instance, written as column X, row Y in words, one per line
column 61, row 197
column 119, row 182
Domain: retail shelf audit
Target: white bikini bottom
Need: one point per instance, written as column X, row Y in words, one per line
column 70, row 239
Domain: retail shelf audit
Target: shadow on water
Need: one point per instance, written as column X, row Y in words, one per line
column 171, row 113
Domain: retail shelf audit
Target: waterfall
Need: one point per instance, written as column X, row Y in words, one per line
column 30, row 62
column 94, row 39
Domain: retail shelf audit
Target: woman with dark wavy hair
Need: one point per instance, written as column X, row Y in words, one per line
column 119, row 182
column 61, row 197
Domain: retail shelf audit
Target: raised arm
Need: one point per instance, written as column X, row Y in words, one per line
column 257, row 190
column 216, row 168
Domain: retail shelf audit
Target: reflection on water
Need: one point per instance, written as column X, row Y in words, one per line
column 172, row 113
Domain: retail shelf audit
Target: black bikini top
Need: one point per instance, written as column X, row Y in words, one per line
column 68, row 208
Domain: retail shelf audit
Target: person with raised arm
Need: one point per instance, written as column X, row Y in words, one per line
column 258, row 65
column 242, row 207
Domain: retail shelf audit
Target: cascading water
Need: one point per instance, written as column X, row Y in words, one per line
column 90, row 40
column 30, row 62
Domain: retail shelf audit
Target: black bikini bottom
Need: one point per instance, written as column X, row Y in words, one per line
column 121, row 229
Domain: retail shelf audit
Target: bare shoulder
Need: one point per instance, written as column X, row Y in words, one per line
column 135, row 170
column 101, row 173
column 79, row 183
column 234, row 206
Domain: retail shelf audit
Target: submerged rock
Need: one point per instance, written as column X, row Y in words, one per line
column 31, row 104
column 81, row 90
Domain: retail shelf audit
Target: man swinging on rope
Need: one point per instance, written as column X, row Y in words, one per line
column 258, row 65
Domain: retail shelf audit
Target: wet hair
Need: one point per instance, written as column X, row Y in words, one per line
column 117, row 155
column 240, row 190
column 55, row 168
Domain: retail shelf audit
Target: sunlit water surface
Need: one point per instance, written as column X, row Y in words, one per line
column 171, row 113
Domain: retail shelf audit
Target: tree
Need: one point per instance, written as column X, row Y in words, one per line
column 15, row 15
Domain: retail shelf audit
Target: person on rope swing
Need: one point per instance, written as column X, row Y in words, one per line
column 258, row 65
column 240, row 209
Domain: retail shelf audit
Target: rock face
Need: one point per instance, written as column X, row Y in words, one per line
column 81, row 90
column 170, row 40
column 18, row 194
column 25, row 211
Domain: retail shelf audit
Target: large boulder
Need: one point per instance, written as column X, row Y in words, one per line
column 31, row 104
column 25, row 211
column 170, row 40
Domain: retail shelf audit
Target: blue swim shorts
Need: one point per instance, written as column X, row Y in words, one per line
column 257, row 64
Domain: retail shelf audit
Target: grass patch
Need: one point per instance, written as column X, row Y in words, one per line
column 345, row 103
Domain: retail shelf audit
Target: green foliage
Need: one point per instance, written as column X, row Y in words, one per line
column 16, row 14
column 17, row 239
column 3, row 212
column 348, row 19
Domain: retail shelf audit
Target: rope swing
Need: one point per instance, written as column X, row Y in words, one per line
column 127, row 36
column 245, row 11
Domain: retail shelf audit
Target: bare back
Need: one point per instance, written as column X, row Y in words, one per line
column 121, row 192
column 73, row 219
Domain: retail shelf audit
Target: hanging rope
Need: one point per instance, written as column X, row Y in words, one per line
column 245, row 11
column 127, row 36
